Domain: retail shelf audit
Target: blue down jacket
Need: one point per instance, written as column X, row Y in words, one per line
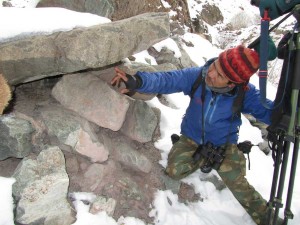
column 219, row 127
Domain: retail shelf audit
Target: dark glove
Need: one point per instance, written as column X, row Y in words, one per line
column 272, row 50
column 133, row 83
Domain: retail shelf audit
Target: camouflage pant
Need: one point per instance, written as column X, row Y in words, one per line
column 232, row 172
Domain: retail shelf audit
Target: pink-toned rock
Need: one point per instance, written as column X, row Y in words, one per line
column 92, row 99
column 95, row 151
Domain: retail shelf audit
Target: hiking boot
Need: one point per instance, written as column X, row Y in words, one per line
column 279, row 221
column 175, row 138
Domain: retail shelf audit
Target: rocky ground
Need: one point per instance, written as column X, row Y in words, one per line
column 132, row 190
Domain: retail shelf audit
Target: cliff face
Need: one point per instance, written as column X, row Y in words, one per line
column 121, row 9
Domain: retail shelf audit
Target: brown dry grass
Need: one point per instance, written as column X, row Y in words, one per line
column 5, row 93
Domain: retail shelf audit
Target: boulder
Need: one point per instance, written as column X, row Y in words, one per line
column 92, row 99
column 41, row 187
column 15, row 136
column 42, row 56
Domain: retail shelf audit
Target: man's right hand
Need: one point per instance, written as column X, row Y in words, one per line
column 118, row 78
column 131, row 82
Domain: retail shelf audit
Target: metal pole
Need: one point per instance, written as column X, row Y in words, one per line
column 296, row 113
column 271, row 203
column 290, row 136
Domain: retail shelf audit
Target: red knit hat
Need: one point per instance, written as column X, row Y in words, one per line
column 239, row 63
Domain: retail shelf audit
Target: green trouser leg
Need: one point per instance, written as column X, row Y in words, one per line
column 232, row 172
column 180, row 161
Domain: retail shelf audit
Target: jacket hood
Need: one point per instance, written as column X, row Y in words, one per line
column 206, row 66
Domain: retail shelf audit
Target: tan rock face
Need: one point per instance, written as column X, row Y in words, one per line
column 121, row 9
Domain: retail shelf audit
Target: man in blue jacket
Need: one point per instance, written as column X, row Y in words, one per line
column 209, row 130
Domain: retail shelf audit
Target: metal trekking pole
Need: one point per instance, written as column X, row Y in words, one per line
column 278, row 199
column 291, row 135
column 272, row 202
column 287, row 212
column 296, row 114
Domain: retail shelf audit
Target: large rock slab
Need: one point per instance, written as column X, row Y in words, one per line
column 41, row 187
column 93, row 99
column 83, row 48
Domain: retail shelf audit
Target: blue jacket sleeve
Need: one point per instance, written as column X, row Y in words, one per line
column 170, row 81
column 253, row 106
